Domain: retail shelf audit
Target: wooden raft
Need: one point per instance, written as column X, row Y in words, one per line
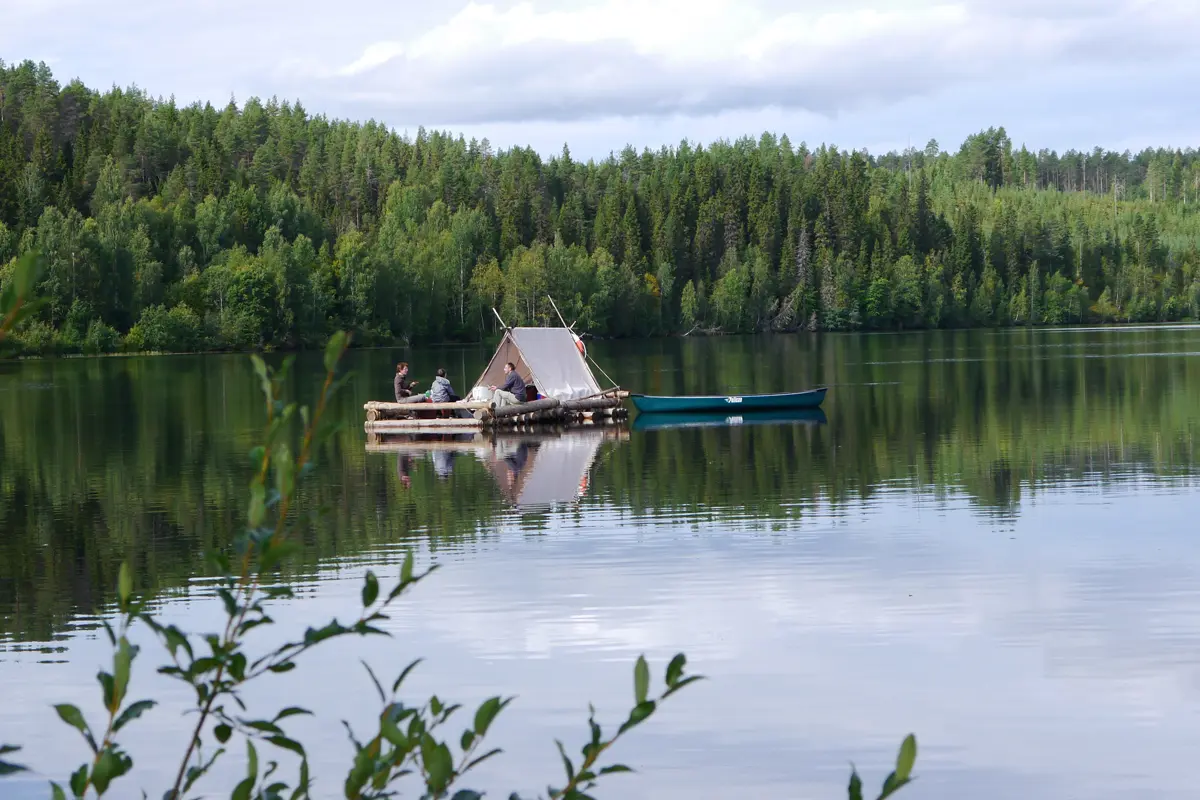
column 416, row 416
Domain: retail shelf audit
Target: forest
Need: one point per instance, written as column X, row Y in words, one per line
column 164, row 227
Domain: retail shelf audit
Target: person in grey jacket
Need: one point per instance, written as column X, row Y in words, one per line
column 441, row 391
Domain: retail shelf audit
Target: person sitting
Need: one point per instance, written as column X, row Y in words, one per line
column 402, row 384
column 441, row 391
column 513, row 389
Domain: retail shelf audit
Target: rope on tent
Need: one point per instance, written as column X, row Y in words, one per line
column 615, row 385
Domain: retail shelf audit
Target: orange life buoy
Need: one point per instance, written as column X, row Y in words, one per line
column 579, row 345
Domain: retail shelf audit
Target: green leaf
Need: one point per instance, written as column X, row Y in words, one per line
column 222, row 732
column 287, row 744
column 567, row 765
column 333, row 350
column 291, row 711
column 264, row 376
column 6, row 767
column 682, row 683
column 404, row 674
column 439, row 764
column 109, row 765
column 252, row 760
column 122, row 664
column 257, row 513
column 615, row 768
column 487, row 712
column 57, row 791
column 107, row 687
column 132, row 712
column 467, row 794
column 406, row 569
column 74, row 717
column 675, row 669
column 468, row 737
column 900, row 776
column 242, row 790
column 855, row 788
column 907, row 758
column 302, row 788
column 79, row 780
column 370, row 589
column 391, row 731
column 124, row 584
column 637, row 715
column 479, row 760
column 641, row 680
column 285, row 470
column 197, row 772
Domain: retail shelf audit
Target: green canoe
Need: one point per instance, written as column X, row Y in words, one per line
column 728, row 403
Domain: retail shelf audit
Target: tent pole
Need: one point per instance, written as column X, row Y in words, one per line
column 502, row 325
column 556, row 311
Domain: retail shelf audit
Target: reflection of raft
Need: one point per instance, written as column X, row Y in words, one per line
column 532, row 470
column 551, row 363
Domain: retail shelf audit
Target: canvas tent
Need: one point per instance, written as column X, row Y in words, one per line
column 546, row 358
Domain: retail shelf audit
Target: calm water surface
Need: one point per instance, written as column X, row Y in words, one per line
column 989, row 540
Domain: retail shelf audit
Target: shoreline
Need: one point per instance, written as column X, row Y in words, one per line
column 699, row 334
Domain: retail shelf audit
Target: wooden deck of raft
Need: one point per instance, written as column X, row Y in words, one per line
column 414, row 415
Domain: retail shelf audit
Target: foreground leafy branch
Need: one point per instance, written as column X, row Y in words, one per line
column 408, row 741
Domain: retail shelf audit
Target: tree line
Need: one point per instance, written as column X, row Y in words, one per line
column 165, row 227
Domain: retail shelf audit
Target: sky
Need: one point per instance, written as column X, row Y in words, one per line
column 600, row 74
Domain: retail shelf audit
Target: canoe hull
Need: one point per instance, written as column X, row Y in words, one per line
column 728, row 403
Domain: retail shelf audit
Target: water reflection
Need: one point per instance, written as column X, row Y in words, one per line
column 715, row 419
column 538, row 469
column 985, row 538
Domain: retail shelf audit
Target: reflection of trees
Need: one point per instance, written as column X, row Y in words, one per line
column 990, row 414
column 145, row 459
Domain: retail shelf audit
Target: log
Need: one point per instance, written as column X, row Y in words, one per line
column 383, row 410
column 421, row 405
column 525, row 408
column 591, row 403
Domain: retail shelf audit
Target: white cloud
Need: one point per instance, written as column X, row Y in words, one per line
column 533, row 62
column 601, row 73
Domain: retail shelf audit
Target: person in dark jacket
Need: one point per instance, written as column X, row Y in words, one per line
column 402, row 384
column 513, row 383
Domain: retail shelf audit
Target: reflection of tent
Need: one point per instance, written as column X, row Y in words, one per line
column 546, row 357
column 533, row 473
column 532, row 470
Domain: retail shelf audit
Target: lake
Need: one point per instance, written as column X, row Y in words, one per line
column 989, row 540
